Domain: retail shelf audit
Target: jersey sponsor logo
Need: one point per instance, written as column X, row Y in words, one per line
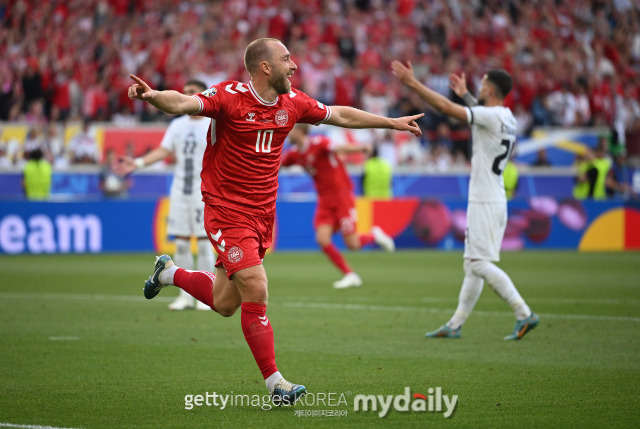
column 239, row 88
column 235, row 254
column 210, row 92
column 282, row 117
column 252, row 117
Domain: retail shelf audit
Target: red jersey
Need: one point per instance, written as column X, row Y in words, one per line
column 240, row 164
column 327, row 170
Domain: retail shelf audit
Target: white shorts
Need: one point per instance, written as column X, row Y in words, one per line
column 186, row 216
column 486, row 223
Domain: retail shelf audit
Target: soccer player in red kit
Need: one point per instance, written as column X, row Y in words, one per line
column 335, row 211
column 250, row 122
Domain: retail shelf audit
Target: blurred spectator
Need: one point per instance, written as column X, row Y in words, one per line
column 55, row 143
column 113, row 185
column 32, row 83
column 82, row 147
column 35, row 115
column 542, row 159
column 377, row 177
column 511, row 179
column 593, row 172
column 37, row 176
column 601, row 162
column 524, row 120
column 563, row 107
column 6, row 162
column 574, row 62
column 124, row 117
column 585, row 176
column 618, row 183
column 33, row 141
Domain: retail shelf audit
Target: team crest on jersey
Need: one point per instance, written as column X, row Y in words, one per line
column 210, row 92
column 235, row 254
column 282, row 117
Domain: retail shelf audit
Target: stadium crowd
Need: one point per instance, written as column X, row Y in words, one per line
column 575, row 63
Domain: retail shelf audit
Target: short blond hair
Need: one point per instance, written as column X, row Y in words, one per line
column 256, row 52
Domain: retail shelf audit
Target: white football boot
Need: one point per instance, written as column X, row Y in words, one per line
column 382, row 239
column 349, row 280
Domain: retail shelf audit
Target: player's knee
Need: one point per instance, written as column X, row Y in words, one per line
column 479, row 267
column 323, row 241
column 227, row 309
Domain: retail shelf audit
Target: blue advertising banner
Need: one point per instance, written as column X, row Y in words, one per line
column 88, row 227
column 140, row 226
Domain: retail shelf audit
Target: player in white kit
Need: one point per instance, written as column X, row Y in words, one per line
column 493, row 138
column 186, row 139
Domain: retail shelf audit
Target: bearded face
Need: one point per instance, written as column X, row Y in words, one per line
column 280, row 83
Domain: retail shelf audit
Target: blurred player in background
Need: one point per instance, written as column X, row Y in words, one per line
column 494, row 134
column 186, row 139
column 239, row 187
column 336, row 211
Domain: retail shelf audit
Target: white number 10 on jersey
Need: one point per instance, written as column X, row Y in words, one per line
column 263, row 142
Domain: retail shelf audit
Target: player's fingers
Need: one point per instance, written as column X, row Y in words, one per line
column 137, row 79
column 416, row 129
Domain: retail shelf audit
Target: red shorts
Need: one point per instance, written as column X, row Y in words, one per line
column 342, row 217
column 241, row 240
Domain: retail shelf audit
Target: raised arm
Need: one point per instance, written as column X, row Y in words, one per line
column 405, row 74
column 348, row 117
column 171, row 102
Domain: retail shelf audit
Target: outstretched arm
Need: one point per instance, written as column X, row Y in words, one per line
column 459, row 85
column 168, row 101
column 435, row 100
column 348, row 117
column 128, row 164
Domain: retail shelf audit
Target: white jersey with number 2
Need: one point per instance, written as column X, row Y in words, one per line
column 493, row 136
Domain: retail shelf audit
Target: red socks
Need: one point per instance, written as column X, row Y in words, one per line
column 198, row 284
column 255, row 325
column 259, row 335
column 366, row 239
column 334, row 255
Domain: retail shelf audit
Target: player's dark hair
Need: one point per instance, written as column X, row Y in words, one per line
column 195, row 82
column 501, row 80
column 256, row 52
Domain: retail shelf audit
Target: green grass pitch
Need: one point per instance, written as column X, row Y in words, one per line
column 80, row 347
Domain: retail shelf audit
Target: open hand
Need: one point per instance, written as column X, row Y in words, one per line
column 458, row 84
column 403, row 73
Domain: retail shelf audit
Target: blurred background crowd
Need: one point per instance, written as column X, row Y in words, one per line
column 575, row 63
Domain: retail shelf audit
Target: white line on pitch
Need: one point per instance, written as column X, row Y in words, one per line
column 395, row 308
column 321, row 305
column 13, row 425
column 81, row 296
